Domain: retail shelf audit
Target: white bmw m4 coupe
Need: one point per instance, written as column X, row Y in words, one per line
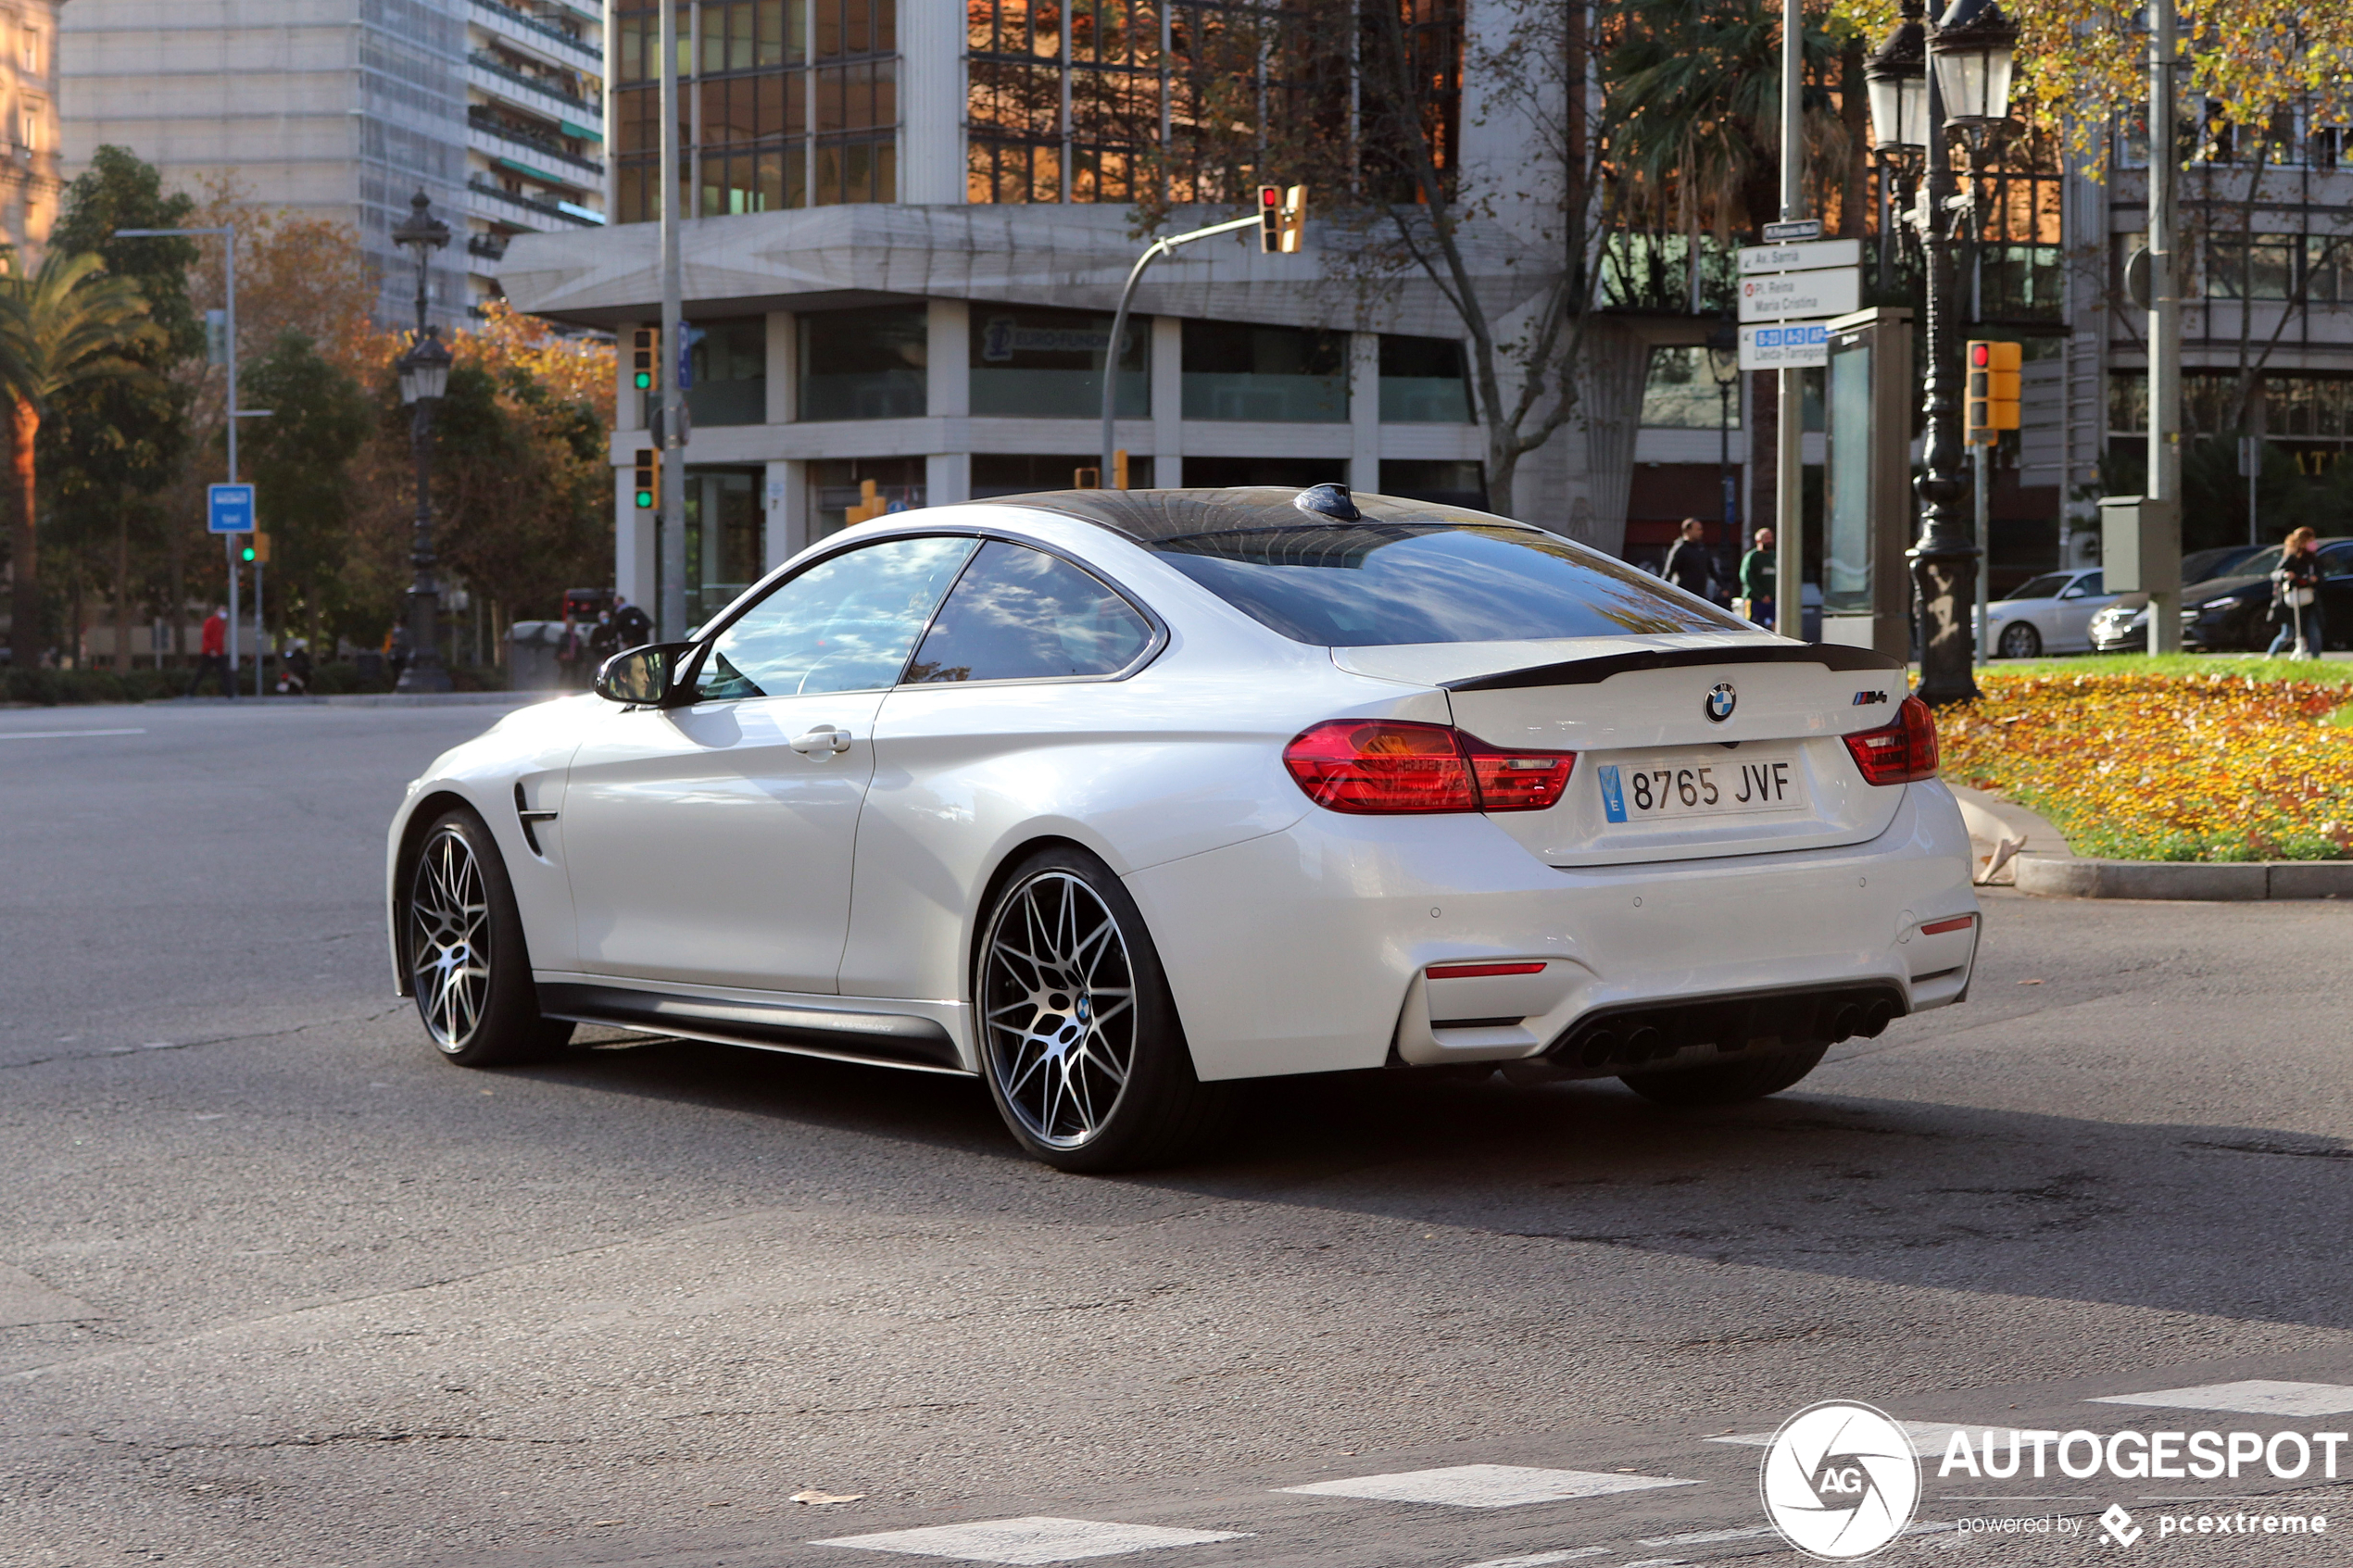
column 1111, row 798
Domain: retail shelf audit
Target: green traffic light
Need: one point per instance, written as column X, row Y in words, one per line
column 645, row 499
column 248, row 552
column 645, row 381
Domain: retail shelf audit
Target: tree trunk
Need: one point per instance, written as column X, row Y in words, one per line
column 123, row 594
column 179, row 598
column 1852, row 200
column 24, row 632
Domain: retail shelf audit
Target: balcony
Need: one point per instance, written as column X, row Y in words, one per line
column 494, row 140
column 508, row 207
column 538, row 95
column 535, row 37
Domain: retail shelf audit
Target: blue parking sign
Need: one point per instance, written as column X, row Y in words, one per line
column 231, row 508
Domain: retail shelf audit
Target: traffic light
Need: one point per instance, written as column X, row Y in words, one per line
column 649, row 485
column 1282, row 218
column 1119, row 469
column 1992, row 402
column 644, row 358
column 257, row 549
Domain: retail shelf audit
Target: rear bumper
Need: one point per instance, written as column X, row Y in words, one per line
column 1305, row 950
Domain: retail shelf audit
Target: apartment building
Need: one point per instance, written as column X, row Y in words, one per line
column 344, row 109
column 29, row 151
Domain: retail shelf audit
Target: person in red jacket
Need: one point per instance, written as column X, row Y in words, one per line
column 215, row 656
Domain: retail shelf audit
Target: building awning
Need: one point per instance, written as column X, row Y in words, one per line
column 579, row 130
column 530, row 174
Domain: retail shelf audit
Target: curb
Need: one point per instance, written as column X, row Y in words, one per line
column 2223, row 881
column 373, row 699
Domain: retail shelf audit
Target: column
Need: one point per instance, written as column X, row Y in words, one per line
column 1364, row 411
column 931, row 100
column 948, row 399
column 1168, row 401
column 786, row 500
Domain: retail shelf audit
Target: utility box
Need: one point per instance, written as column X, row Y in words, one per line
column 2140, row 545
column 1869, row 515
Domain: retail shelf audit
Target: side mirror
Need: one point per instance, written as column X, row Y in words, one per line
column 643, row 676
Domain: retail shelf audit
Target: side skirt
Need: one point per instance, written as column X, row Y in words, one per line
column 879, row 1039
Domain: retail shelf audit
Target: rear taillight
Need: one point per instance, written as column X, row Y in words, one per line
column 1388, row 766
column 1903, row 752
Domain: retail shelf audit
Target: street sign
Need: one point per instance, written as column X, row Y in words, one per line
column 1797, row 229
column 231, row 510
column 1784, row 297
column 1784, row 348
column 1801, row 257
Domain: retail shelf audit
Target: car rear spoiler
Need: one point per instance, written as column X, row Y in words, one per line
column 1601, row 666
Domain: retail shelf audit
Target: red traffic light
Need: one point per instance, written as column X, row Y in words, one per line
column 1269, row 196
column 1981, row 355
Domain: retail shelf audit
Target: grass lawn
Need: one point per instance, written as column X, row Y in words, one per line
column 2184, row 758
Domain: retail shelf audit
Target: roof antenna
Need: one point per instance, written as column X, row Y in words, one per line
column 1328, row 500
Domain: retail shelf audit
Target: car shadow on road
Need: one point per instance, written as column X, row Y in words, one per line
column 2239, row 1221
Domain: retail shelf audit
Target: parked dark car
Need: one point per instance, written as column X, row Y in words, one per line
column 2233, row 613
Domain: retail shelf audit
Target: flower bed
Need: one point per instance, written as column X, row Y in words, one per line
column 2148, row 767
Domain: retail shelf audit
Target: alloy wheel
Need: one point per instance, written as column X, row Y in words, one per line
column 449, row 939
column 1058, row 1007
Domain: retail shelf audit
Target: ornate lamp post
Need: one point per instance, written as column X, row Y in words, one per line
column 424, row 376
column 1968, row 55
column 1724, row 368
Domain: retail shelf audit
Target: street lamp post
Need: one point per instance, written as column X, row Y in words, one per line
column 424, row 376
column 1724, row 368
column 1964, row 81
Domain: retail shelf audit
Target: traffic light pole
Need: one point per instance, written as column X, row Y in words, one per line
column 1980, row 454
column 670, row 603
column 1153, row 252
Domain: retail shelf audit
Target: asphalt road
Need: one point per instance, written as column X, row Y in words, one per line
column 278, row 1286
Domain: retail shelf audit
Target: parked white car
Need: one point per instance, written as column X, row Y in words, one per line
column 1111, row 798
column 2047, row 614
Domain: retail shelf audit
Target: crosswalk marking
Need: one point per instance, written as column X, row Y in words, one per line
column 1037, row 1539
column 1928, row 1438
column 2254, row 1395
column 1486, row 1485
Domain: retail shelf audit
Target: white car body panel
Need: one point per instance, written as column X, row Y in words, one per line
column 704, row 879
column 2063, row 623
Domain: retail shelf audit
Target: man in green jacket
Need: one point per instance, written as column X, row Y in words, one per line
column 1756, row 578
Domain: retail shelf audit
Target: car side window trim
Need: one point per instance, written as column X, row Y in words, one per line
column 1149, row 651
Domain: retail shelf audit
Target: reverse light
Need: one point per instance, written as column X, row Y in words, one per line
column 1903, row 752
column 1382, row 767
column 1480, row 970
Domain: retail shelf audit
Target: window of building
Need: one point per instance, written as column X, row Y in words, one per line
column 781, row 104
column 2251, row 266
column 838, row 484
column 1422, row 382
column 1048, row 364
column 1019, row 473
column 1290, row 474
column 1265, row 374
column 864, row 364
column 1440, row 482
column 726, row 537
column 730, row 364
column 1679, row 392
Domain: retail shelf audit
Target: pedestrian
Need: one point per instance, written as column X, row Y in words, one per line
column 632, row 627
column 2296, row 597
column 396, row 650
column 213, row 656
column 1756, row 580
column 1688, row 566
column 294, row 670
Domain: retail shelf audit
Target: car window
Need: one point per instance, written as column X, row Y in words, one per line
column 1019, row 614
column 2095, row 583
column 845, row 624
column 2043, row 588
column 2337, row 561
column 1372, row 585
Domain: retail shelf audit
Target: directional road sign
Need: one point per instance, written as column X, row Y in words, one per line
column 1798, row 345
column 1801, row 257
column 232, row 509
column 1785, row 297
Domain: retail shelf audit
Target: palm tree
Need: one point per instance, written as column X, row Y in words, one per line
column 64, row 324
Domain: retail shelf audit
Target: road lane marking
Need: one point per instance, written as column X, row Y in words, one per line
column 1706, row 1538
column 62, row 734
column 1037, row 1539
column 2254, row 1396
column 1543, row 1558
column 1485, row 1486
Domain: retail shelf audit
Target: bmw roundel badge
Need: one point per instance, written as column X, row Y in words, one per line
column 1721, row 700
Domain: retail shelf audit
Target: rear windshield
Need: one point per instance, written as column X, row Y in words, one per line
column 2043, row 588
column 1370, row 585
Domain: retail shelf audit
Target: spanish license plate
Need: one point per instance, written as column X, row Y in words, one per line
column 1729, row 783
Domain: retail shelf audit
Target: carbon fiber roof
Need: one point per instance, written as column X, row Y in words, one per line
column 1156, row 516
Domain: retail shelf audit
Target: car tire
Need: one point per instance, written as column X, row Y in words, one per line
column 1079, row 1037
column 1728, row 1083
column 469, row 965
column 2020, row 641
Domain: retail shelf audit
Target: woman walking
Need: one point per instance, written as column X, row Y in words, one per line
column 2296, row 597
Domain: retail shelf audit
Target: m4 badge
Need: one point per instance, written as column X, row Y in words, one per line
column 1865, row 698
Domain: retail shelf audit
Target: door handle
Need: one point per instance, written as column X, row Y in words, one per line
column 825, row 737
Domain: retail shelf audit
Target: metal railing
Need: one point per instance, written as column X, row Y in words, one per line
column 548, row 208
column 532, row 24
column 532, row 140
column 496, row 67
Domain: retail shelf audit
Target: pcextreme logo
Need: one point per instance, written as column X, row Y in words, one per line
column 1839, row 1480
